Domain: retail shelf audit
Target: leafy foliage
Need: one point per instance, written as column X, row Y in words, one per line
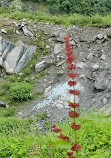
column 21, row 91
column 17, row 136
column 86, row 7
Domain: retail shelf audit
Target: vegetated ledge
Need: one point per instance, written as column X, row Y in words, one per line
column 64, row 19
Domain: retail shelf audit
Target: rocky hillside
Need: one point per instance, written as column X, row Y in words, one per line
column 93, row 59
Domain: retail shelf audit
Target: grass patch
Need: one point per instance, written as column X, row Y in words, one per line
column 17, row 136
column 4, row 112
column 72, row 19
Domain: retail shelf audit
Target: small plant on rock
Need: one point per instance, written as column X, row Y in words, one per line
column 72, row 146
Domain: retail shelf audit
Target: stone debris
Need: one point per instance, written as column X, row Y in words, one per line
column 43, row 65
column 92, row 57
column 95, row 67
column 3, row 31
column 3, row 104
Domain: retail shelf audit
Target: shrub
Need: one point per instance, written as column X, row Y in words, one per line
column 21, row 91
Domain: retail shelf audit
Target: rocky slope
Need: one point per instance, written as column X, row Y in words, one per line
column 92, row 47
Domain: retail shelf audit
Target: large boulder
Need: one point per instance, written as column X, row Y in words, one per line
column 14, row 57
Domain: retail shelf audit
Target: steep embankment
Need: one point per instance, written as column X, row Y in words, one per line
column 92, row 47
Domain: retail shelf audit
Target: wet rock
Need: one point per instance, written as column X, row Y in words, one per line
column 3, row 104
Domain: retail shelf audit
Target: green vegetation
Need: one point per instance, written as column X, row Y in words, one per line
column 67, row 20
column 18, row 135
column 4, row 112
column 86, row 7
column 18, row 89
column 21, row 91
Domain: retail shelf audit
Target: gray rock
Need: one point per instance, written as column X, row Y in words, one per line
column 43, row 65
column 109, row 85
column 20, row 73
column 73, row 43
column 17, row 32
column 20, row 113
column 109, row 32
column 103, row 57
column 106, row 109
column 3, row 31
column 95, row 67
column 105, row 101
column 25, row 30
column 32, row 78
column 100, row 84
column 26, row 79
column 14, row 57
column 100, row 36
column 90, row 57
column 47, row 46
column 47, row 91
column 61, row 37
column 58, row 48
column 99, row 41
column 81, row 65
column 3, row 104
column 30, row 34
column 1, row 61
column 8, row 68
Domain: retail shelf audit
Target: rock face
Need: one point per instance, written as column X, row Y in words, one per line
column 14, row 57
column 92, row 57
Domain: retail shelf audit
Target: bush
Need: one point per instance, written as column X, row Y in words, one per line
column 21, row 91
